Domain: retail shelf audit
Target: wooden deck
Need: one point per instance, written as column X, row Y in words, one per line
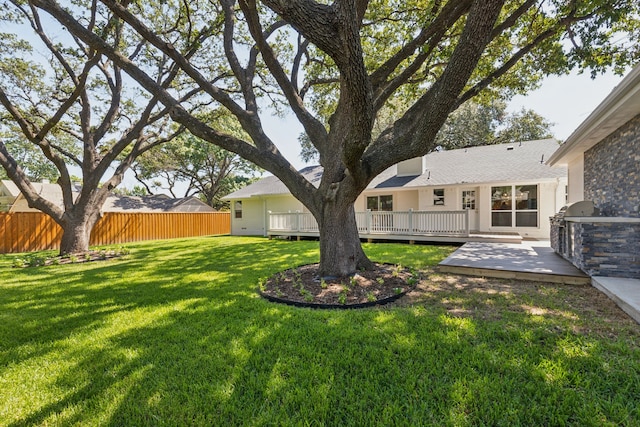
column 412, row 238
column 530, row 260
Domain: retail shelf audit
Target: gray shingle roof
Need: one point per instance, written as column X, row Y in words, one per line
column 520, row 161
column 523, row 161
column 273, row 186
column 156, row 203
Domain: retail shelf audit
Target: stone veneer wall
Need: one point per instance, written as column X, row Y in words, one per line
column 609, row 249
column 612, row 172
column 612, row 181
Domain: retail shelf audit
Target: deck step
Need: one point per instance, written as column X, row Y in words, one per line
column 517, row 275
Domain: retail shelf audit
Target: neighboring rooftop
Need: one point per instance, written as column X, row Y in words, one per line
column 114, row 203
column 156, row 203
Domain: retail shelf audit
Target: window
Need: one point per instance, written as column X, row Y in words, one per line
column 469, row 199
column 380, row 203
column 501, row 206
column 516, row 204
column 237, row 207
column 438, row 196
column 526, row 205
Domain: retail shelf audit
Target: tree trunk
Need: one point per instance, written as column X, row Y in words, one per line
column 76, row 232
column 341, row 253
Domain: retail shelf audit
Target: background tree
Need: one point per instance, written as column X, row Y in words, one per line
column 70, row 107
column 524, row 125
column 196, row 167
column 34, row 164
column 335, row 65
column 489, row 123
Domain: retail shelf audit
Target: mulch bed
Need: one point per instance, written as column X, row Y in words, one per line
column 38, row 260
column 303, row 286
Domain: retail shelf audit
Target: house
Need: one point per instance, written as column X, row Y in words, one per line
column 505, row 188
column 12, row 200
column 603, row 160
column 156, row 203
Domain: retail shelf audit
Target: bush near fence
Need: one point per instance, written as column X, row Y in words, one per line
column 36, row 231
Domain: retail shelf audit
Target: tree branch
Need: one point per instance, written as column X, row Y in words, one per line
column 452, row 11
column 268, row 158
column 17, row 175
column 408, row 136
column 314, row 128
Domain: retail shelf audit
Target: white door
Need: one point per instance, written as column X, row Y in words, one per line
column 470, row 203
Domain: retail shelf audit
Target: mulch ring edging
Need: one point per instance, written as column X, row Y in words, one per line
column 39, row 260
column 302, row 287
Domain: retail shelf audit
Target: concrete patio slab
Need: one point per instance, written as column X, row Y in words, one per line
column 530, row 260
column 535, row 260
column 625, row 293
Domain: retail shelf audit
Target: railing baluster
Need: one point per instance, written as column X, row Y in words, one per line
column 377, row 222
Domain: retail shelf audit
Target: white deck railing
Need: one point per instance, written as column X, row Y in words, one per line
column 381, row 222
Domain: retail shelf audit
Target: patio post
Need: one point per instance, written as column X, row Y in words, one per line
column 368, row 221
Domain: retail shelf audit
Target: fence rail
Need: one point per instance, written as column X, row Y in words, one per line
column 445, row 223
column 35, row 231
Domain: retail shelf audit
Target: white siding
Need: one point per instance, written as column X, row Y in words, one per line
column 252, row 221
column 576, row 179
column 284, row 204
column 402, row 200
column 405, row 200
column 411, row 167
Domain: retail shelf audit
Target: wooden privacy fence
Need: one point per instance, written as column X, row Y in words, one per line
column 35, row 231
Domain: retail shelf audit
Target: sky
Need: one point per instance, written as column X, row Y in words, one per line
column 564, row 100
column 567, row 100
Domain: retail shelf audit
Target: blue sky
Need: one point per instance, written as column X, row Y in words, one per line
column 565, row 101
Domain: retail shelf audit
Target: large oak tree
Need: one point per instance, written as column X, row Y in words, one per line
column 69, row 108
column 336, row 64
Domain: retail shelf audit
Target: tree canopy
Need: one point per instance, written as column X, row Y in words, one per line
column 485, row 124
column 66, row 105
column 197, row 167
column 336, row 65
column 204, row 169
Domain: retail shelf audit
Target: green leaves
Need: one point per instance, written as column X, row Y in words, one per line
column 483, row 124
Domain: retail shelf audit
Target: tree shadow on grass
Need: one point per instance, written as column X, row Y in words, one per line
column 180, row 338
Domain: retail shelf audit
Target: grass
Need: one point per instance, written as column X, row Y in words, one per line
column 174, row 334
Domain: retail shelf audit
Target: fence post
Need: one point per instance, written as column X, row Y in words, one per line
column 297, row 220
column 368, row 221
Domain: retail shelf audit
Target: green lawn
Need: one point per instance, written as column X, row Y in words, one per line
column 174, row 334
